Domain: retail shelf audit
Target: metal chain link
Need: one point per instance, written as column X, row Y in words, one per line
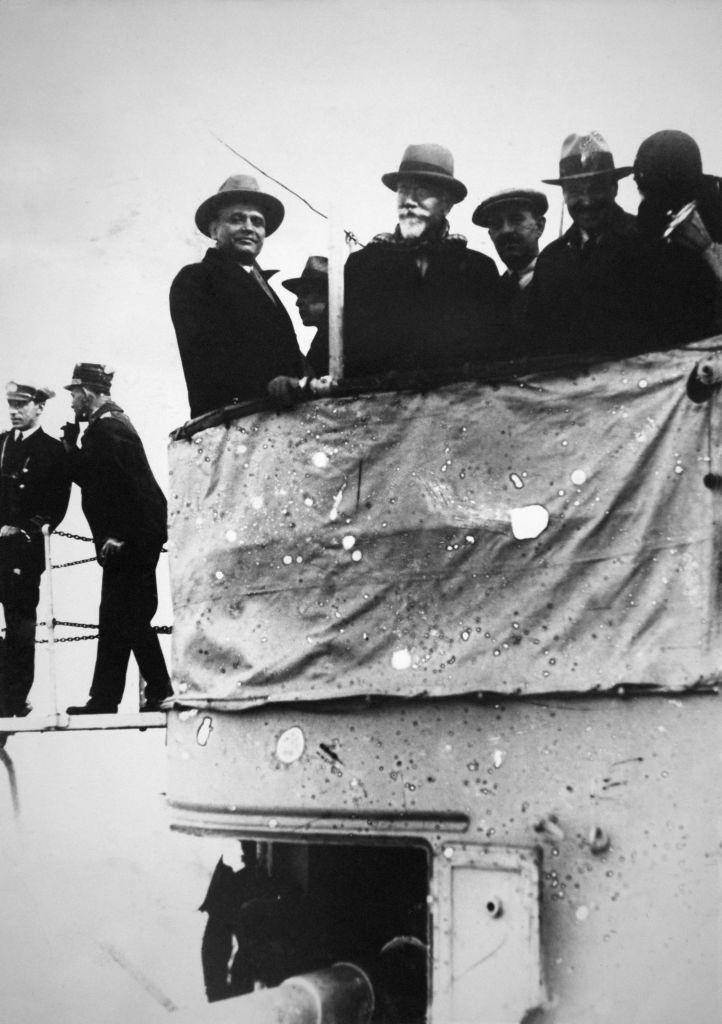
column 71, row 536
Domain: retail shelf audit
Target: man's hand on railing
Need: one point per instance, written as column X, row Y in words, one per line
column 284, row 391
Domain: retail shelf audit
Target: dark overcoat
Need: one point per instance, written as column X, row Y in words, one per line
column 233, row 339
column 592, row 298
column 397, row 318
column 34, row 490
column 120, row 496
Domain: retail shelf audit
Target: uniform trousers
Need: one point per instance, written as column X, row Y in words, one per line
column 19, row 595
column 128, row 602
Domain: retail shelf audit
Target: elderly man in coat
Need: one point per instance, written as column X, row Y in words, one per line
column 235, row 338
column 418, row 298
column 588, row 292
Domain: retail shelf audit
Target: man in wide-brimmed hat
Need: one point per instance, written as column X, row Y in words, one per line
column 311, row 291
column 235, row 337
column 587, row 293
column 418, row 298
column 34, row 492
column 515, row 219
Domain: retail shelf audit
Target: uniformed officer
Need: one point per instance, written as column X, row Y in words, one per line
column 34, row 491
column 126, row 512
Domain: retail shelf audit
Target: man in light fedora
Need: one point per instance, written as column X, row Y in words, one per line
column 587, row 294
column 235, row 338
column 34, row 492
column 515, row 219
column 418, row 298
column 311, row 291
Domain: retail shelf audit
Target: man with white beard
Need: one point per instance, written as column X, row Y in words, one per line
column 418, row 298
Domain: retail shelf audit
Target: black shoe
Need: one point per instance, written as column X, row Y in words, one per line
column 91, row 708
column 17, row 710
column 153, row 705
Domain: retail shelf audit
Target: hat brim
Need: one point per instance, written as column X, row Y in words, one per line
column 308, row 283
column 271, row 208
column 481, row 214
column 613, row 172
column 456, row 189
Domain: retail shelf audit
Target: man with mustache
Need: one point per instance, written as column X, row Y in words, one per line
column 34, row 492
column 418, row 298
column 515, row 219
column 235, row 338
column 588, row 293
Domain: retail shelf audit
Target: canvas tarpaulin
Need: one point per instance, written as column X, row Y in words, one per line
column 552, row 533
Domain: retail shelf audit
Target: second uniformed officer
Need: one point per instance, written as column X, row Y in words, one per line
column 34, row 491
column 126, row 512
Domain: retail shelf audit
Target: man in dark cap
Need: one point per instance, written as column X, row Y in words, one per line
column 515, row 219
column 34, row 492
column 680, row 223
column 311, row 291
column 418, row 298
column 587, row 294
column 126, row 512
column 235, row 338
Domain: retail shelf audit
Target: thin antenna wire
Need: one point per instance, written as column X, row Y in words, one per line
column 267, row 175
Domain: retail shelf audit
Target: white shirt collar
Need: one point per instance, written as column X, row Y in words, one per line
column 23, row 435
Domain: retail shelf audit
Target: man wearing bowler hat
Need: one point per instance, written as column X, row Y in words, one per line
column 311, row 291
column 34, row 492
column 515, row 219
column 418, row 298
column 126, row 512
column 235, row 338
column 587, row 294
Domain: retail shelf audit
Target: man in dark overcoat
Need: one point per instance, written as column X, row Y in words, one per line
column 126, row 511
column 235, row 338
column 311, row 291
column 34, row 492
column 418, row 298
column 515, row 219
column 588, row 290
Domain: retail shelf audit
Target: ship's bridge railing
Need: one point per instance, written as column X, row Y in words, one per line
column 517, row 530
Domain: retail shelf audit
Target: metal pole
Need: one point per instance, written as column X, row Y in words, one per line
column 50, row 619
column 336, row 259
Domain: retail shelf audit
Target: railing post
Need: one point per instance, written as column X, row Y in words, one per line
column 336, row 260
column 50, row 620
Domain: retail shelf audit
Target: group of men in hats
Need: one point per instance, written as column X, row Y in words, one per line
column 126, row 512
column 420, row 298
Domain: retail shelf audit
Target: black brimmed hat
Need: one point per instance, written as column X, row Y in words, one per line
column 529, row 198
column 240, row 188
column 313, row 275
column 586, row 156
column 19, row 394
column 431, row 163
column 91, row 375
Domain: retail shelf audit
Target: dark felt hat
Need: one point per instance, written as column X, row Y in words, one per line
column 314, row 274
column 529, row 198
column 431, row 163
column 91, row 375
column 586, row 156
column 669, row 154
column 19, row 394
column 240, row 188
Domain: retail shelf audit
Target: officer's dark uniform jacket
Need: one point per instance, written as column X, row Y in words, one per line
column 120, row 496
column 34, row 491
column 232, row 337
